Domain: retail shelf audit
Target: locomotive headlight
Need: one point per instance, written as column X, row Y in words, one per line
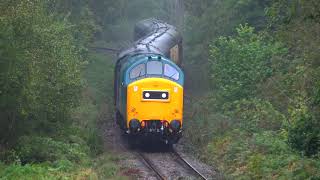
column 155, row 95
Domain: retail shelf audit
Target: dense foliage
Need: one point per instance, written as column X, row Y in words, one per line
column 207, row 20
column 239, row 64
column 55, row 94
column 260, row 116
column 48, row 122
column 40, row 70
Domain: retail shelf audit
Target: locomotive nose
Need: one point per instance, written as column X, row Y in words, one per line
column 155, row 99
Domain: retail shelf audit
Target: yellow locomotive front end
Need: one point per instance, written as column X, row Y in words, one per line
column 154, row 100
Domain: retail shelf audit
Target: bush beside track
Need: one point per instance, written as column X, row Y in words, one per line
column 77, row 151
column 238, row 128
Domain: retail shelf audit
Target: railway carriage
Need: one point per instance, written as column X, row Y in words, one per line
column 148, row 86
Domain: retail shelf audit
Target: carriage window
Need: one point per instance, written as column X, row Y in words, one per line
column 171, row 72
column 154, row 67
column 139, row 70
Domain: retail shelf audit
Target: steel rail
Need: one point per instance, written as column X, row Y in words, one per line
column 148, row 163
column 152, row 166
column 188, row 164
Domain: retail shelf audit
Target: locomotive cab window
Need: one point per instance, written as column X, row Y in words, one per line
column 154, row 67
column 138, row 71
column 171, row 72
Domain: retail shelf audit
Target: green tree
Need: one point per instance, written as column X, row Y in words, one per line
column 239, row 64
column 207, row 20
column 40, row 69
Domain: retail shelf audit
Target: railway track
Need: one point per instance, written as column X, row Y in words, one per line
column 157, row 162
column 189, row 165
column 179, row 160
column 152, row 166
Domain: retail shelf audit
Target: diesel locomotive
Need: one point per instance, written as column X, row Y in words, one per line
column 148, row 84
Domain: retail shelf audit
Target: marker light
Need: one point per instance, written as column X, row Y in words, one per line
column 143, row 124
column 165, row 123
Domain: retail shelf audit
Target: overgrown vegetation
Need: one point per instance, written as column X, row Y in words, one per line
column 55, row 92
column 49, row 113
column 260, row 120
column 40, row 70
